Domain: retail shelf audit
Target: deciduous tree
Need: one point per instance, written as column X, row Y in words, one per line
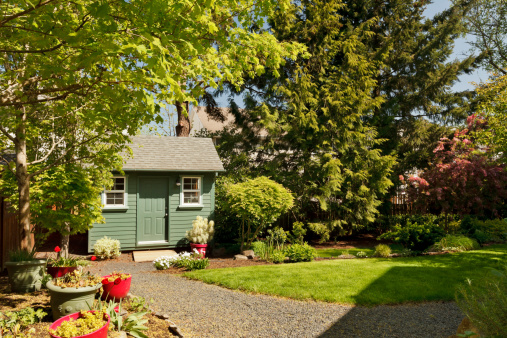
column 107, row 63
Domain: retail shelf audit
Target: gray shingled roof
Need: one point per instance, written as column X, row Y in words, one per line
column 167, row 153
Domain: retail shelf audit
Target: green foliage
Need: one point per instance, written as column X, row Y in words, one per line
column 133, row 324
column 228, row 226
column 107, row 248
column 277, row 237
column 260, row 249
column 386, row 223
column 494, row 230
column 64, row 261
column 298, row 233
column 13, row 323
column 21, row 255
column 484, row 302
column 318, row 144
column 139, row 304
column 258, row 202
column 300, row 253
column 414, row 236
column 277, row 257
column 456, row 243
column 382, row 250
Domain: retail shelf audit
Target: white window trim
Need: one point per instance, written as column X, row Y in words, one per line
column 125, row 196
column 191, row 205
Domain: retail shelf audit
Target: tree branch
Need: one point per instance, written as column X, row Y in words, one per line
column 27, row 11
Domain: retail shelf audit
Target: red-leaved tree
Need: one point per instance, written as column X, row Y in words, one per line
column 463, row 179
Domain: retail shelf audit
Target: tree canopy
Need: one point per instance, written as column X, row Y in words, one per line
column 102, row 67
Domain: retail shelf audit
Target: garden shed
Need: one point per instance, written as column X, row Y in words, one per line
column 166, row 184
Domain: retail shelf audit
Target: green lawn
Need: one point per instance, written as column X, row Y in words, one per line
column 362, row 281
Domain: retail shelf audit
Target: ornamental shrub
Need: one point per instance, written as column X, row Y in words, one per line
column 300, row 253
column 382, row 250
column 414, row 236
column 202, row 231
column 278, row 256
column 298, row 233
column 260, row 249
column 258, row 203
column 107, row 248
column 456, row 243
column 494, row 230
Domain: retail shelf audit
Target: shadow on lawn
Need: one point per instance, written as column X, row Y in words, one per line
column 435, row 279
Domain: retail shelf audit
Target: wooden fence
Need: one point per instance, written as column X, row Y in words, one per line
column 400, row 205
column 10, row 234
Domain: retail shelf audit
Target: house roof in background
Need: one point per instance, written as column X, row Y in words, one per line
column 166, row 153
column 212, row 125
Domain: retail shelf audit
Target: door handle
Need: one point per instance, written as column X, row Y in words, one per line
column 166, row 215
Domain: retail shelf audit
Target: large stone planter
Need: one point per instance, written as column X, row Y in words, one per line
column 65, row 301
column 25, row 276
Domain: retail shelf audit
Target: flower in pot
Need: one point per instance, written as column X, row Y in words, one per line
column 25, row 271
column 116, row 286
column 201, row 233
column 62, row 265
column 89, row 324
column 72, row 293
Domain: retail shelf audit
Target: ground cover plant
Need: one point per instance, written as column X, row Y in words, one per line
column 362, row 281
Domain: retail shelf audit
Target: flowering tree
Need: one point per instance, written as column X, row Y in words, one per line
column 463, row 179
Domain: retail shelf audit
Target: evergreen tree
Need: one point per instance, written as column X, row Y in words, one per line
column 319, row 145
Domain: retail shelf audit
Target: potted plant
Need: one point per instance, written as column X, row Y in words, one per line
column 72, row 293
column 89, row 324
column 25, row 271
column 201, row 233
column 116, row 286
column 62, row 265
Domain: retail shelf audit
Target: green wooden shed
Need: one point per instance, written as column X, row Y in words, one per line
column 166, row 184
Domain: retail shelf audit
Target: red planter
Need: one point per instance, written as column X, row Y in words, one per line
column 100, row 333
column 201, row 248
column 56, row 271
column 116, row 292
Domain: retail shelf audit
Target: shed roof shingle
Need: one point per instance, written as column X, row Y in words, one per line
column 167, row 153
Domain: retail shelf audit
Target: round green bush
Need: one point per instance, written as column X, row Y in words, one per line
column 300, row 253
column 382, row 250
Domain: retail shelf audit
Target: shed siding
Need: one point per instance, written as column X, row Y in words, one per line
column 122, row 225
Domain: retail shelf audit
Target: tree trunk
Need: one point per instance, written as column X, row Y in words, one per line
column 183, row 126
column 23, row 180
column 64, row 242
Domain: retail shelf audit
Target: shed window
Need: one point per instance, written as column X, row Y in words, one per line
column 191, row 191
column 116, row 196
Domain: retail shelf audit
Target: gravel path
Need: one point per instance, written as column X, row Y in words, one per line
column 203, row 310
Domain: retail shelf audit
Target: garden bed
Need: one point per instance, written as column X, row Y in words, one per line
column 219, row 263
column 157, row 327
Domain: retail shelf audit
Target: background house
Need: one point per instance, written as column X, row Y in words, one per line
column 166, row 184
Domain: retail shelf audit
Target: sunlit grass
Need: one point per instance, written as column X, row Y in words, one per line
column 369, row 281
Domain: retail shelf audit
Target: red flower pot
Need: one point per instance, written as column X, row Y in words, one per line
column 57, row 271
column 100, row 333
column 114, row 291
column 201, row 248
